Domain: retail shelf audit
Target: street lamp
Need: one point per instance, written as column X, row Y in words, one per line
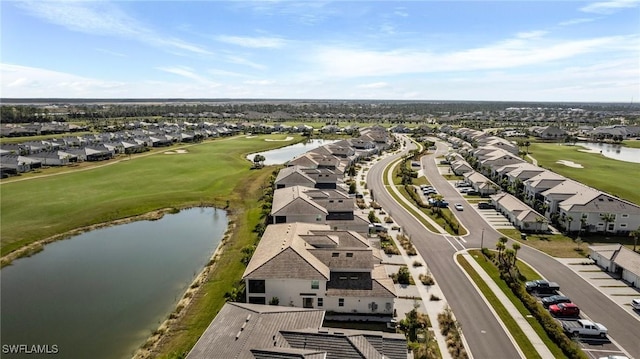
column 482, row 239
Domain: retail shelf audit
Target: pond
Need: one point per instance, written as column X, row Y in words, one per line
column 281, row 155
column 617, row 152
column 102, row 293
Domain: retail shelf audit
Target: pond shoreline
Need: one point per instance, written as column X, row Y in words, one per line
column 173, row 319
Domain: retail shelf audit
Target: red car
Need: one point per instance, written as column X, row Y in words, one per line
column 564, row 310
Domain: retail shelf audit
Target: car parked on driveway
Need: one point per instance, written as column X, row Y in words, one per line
column 635, row 304
column 554, row 299
column 486, row 205
column 567, row 310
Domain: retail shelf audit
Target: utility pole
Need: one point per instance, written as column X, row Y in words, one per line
column 482, row 239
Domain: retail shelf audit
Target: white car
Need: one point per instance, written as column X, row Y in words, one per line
column 458, row 206
column 635, row 304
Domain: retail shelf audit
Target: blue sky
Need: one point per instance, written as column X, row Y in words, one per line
column 415, row 50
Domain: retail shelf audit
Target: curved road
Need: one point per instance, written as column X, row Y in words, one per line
column 484, row 335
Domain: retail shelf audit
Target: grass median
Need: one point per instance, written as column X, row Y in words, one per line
column 518, row 335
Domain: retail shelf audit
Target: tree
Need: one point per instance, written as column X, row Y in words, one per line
column 516, row 247
column 258, row 161
column 412, row 324
column 527, row 144
column 352, row 187
column 607, row 218
column 569, row 220
column 635, row 234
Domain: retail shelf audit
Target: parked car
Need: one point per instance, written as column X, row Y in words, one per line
column 472, row 192
column 377, row 227
column 486, row 205
column 463, row 184
column 635, row 304
column 554, row 299
column 458, row 206
column 564, row 310
column 541, row 286
column 584, row 327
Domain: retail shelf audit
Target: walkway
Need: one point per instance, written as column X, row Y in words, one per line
column 524, row 325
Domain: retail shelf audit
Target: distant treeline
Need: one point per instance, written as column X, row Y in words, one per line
column 46, row 110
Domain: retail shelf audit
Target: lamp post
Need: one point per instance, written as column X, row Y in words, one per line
column 482, row 239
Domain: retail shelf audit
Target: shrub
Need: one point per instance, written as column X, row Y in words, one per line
column 417, row 264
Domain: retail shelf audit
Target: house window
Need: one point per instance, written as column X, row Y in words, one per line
column 257, row 286
column 340, row 302
column 335, row 254
column 623, row 225
column 307, row 302
column 349, row 255
column 625, row 216
column 320, row 302
column 343, row 277
column 257, row 300
column 315, row 284
column 354, row 277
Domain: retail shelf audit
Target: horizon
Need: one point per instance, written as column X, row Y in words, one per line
column 487, row 51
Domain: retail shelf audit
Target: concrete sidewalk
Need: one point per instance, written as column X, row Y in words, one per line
column 522, row 322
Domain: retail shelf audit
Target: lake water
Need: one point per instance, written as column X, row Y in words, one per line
column 102, row 293
column 281, row 155
column 617, row 152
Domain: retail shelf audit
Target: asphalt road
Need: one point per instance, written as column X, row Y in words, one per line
column 484, row 335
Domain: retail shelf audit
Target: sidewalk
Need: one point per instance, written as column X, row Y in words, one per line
column 524, row 325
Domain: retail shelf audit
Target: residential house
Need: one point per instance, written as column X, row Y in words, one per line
column 253, row 331
column 601, row 212
column 618, row 259
column 54, row 158
column 519, row 214
column 480, row 183
column 312, row 266
column 323, row 206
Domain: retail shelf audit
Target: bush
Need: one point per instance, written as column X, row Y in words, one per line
column 417, row 264
column 426, row 279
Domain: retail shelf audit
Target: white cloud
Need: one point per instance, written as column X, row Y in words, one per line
column 102, row 18
column 536, row 34
column 242, row 61
column 575, row 21
column 112, row 53
column 609, row 7
column 259, row 82
column 187, row 72
column 350, row 62
column 253, row 42
column 374, row 85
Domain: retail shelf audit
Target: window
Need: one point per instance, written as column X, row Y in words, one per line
column 307, row 302
column 257, row 300
column 625, row 216
column 354, row 277
column 320, row 302
column 315, row 284
column 343, row 277
column 349, row 255
column 335, row 254
column 256, row 286
column 623, row 225
column 340, row 302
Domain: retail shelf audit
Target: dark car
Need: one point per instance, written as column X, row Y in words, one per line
column 565, row 310
column 555, row 299
column 486, row 205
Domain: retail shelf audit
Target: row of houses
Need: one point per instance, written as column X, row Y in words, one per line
column 536, row 196
column 316, row 252
column 314, row 259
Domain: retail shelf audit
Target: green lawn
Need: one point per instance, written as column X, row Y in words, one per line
column 529, row 274
column 210, row 173
column 615, row 177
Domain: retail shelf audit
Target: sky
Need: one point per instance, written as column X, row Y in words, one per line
column 572, row 50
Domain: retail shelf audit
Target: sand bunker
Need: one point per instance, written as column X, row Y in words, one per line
column 289, row 138
column 570, row 164
column 176, row 152
column 250, row 136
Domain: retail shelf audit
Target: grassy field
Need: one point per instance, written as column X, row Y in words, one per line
column 615, row 177
column 210, row 173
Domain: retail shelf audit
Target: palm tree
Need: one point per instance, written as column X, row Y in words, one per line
column 635, row 234
column 607, row 218
column 569, row 220
column 527, row 144
column 516, row 248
